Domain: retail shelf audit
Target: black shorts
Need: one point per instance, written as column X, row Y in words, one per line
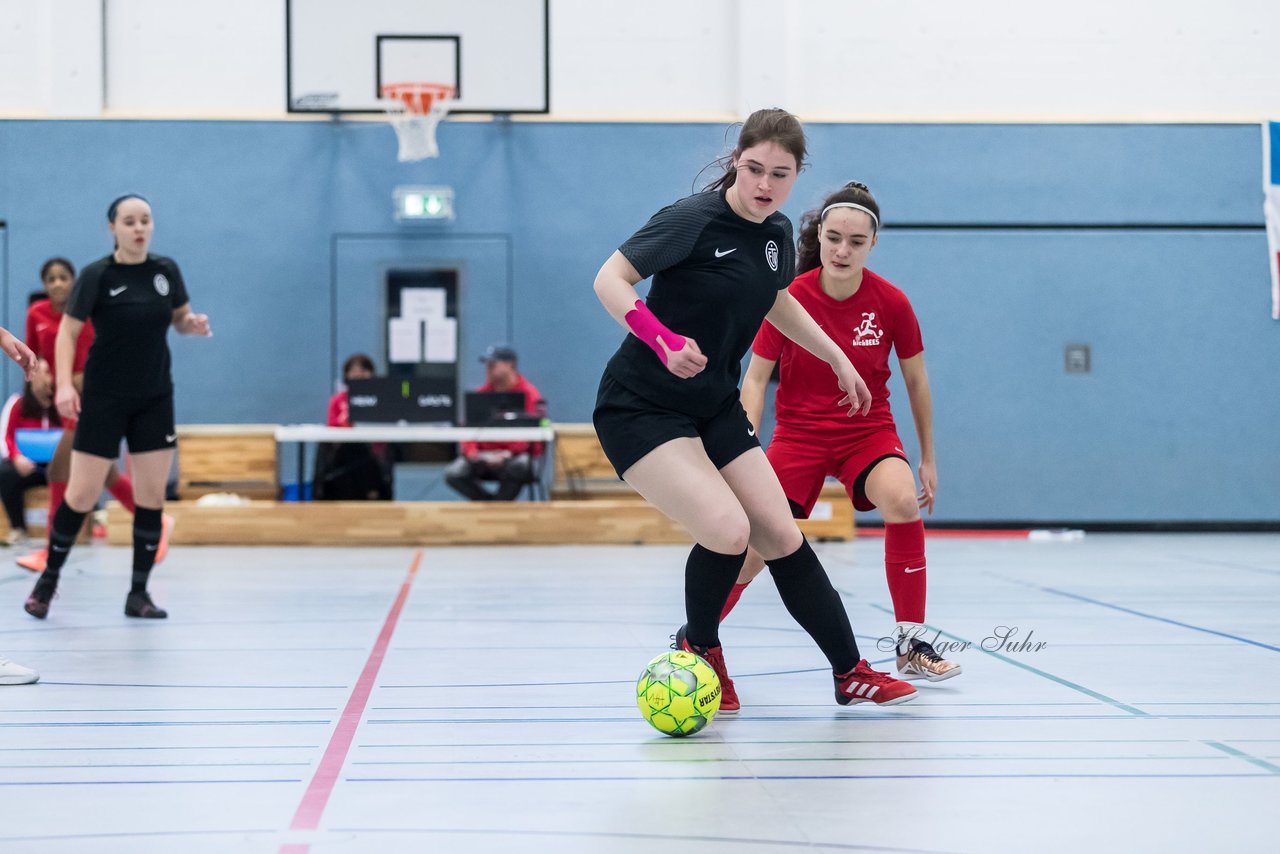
column 105, row 419
column 630, row 426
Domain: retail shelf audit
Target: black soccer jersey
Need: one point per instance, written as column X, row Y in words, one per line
column 132, row 307
column 715, row 277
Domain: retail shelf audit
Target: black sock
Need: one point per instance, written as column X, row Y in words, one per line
column 146, row 539
column 62, row 536
column 815, row 605
column 708, row 578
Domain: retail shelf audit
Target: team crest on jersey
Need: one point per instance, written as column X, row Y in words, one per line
column 771, row 255
column 162, row 285
column 868, row 334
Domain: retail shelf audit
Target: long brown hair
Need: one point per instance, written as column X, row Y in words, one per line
column 809, row 256
column 773, row 125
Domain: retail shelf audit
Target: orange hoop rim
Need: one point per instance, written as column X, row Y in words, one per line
column 418, row 97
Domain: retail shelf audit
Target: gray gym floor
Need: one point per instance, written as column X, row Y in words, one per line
column 263, row 716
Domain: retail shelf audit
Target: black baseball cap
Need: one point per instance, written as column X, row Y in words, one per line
column 498, row 353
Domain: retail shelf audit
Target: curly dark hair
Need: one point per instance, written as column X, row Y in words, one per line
column 809, row 256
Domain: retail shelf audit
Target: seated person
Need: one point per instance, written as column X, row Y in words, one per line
column 351, row 471
column 33, row 409
column 508, row 463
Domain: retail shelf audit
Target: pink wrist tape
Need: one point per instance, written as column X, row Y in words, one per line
column 647, row 328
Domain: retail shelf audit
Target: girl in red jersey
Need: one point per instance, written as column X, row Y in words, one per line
column 43, row 318
column 31, row 409
column 866, row 316
column 668, row 411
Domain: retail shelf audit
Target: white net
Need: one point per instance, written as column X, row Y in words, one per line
column 415, row 110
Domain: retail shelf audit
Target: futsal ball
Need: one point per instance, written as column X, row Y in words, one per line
column 678, row 693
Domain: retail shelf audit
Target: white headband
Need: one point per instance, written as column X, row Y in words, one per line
column 875, row 220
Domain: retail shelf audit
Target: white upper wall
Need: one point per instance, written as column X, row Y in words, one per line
column 905, row 60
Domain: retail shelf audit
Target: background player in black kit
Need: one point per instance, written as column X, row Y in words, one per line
column 668, row 413
column 133, row 297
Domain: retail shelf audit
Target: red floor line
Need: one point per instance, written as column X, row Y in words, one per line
column 335, row 755
column 962, row 533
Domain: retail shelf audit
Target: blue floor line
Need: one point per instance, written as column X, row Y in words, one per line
column 1089, row 692
column 1159, row 619
column 1240, row 754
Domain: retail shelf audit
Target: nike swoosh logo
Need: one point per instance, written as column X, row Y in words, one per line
column 169, row 437
column 115, row 292
column 150, row 547
column 720, row 254
column 751, row 431
column 899, row 450
column 914, row 569
column 58, row 548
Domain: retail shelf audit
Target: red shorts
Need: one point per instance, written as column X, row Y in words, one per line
column 803, row 461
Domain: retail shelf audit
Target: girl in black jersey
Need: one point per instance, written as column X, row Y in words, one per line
column 133, row 297
column 668, row 413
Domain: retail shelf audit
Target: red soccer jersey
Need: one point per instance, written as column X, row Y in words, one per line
column 339, row 410
column 42, row 334
column 865, row 325
column 12, row 420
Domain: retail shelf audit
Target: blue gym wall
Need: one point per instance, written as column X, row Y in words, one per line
column 1176, row 421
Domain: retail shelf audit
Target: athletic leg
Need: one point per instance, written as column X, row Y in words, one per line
column 678, row 478
column 88, row 473
column 801, row 467
column 891, row 486
column 151, row 468
column 803, row 584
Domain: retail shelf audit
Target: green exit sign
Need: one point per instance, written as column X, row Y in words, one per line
column 424, row 203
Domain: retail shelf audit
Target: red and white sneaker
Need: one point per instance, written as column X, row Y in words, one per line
column 863, row 685
column 34, row 562
column 713, row 655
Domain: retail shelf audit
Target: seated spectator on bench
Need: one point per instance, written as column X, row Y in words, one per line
column 32, row 409
column 350, row 471
column 510, row 464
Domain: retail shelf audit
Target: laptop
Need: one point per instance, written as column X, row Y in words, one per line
column 388, row 400
column 497, row 409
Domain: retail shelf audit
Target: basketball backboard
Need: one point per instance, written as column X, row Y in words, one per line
column 339, row 54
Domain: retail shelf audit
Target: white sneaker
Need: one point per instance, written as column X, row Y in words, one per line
column 15, row 537
column 16, row 674
column 918, row 659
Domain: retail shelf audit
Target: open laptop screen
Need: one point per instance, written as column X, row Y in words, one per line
column 493, row 408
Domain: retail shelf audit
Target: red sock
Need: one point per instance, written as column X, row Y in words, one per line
column 57, row 491
column 734, row 595
column 122, row 491
column 904, row 568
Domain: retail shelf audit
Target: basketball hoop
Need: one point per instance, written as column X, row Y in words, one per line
column 414, row 110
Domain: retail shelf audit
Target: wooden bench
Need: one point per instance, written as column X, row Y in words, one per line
column 583, row 473
column 238, row 458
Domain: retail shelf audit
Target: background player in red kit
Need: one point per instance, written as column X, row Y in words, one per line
column 43, row 318
column 866, row 316
column 12, row 673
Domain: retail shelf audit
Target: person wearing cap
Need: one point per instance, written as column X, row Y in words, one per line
column 510, row 464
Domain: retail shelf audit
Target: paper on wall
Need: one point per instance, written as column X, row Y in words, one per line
column 442, row 339
column 404, row 339
column 423, row 303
